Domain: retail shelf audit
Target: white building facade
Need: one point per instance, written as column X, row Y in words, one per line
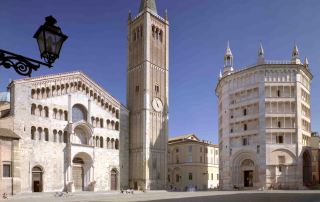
column 73, row 136
column 264, row 124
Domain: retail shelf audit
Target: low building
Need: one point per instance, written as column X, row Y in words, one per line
column 315, row 150
column 192, row 164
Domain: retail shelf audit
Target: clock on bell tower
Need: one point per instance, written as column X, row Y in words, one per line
column 147, row 97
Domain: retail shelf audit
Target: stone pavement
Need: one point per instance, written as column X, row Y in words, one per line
column 163, row 196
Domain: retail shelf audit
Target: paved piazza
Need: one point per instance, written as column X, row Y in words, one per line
column 229, row 196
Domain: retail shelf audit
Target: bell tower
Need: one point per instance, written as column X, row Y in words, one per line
column 147, row 96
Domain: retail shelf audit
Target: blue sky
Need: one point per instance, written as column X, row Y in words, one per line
column 199, row 32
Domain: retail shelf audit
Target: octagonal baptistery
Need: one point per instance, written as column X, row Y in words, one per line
column 264, row 124
column 69, row 135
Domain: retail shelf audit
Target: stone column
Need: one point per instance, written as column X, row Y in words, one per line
column 69, row 109
column 89, row 111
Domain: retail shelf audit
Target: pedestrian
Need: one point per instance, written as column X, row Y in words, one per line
column 5, row 196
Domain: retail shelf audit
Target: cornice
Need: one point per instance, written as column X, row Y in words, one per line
column 265, row 67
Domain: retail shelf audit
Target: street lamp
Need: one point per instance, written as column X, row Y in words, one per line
column 50, row 40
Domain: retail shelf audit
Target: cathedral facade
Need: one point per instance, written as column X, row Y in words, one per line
column 264, row 124
column 70, row 135
column 64, row 132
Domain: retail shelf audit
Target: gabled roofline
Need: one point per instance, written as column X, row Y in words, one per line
column 66, row 74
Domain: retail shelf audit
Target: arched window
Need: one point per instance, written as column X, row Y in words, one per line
column 33, row 109
column 46, row 134
column 153, row 30
column 62, row 89
column 108, row 124
column 60, row 114
column 112, row 143
column 53, row 90
column 55, row 135
column 117, row 126
column 79, row 113
column 43, row 92
column 97, row 122
column 60, row 136
column 65, row 115
column 108, row 143
column 40, row 133
column 40, row 111
column 33, row 133
column 97, row 141
column 38, row 93
column 117, row 144
column 101, row 142
column 245, row 127
column 101, row 123
column 48, row 92
column 46, row 112
column 93, row 121
column 33, row 93
column 55, row 111
column 112, row 125
column 161, row 35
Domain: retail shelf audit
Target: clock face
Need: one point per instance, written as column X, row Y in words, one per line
column 157, row 105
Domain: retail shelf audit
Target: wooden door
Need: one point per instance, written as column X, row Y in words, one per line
column 248, row 178
column 37, row 182
column 113, row 180
column 77, row 174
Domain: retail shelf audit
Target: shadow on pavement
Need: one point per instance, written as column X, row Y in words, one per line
column 251, row 197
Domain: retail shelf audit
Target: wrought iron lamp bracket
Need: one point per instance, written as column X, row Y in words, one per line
column 22, row 65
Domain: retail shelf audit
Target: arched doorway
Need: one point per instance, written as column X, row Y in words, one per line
column 82, row 172
column 247, row 167
column 307, row 168
column 37, row 185
column 114, row 179
column 78, row 174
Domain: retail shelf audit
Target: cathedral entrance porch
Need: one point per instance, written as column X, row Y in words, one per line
column 82, row 173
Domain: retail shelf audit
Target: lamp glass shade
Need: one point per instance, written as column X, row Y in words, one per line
column 50, row 40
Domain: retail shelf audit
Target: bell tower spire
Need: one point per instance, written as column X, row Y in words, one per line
column 260, row 54
column 295, row 55
column 148, row 4
column 228, row 61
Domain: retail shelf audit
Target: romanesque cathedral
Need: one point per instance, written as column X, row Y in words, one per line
column 64, row 132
